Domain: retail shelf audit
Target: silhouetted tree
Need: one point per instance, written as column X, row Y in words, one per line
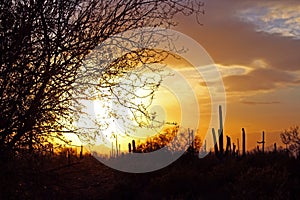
column 173, row 138
column 291, row 139
column 42, row 47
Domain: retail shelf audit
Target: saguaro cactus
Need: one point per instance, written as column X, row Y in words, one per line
column 215, row 141
column 81, row 152
column 112, row 150
column 238, row 146
column 228, row 145
column 221, row 131
column 133, row 146
column 129, row 147
column 244, row 141
column 233, row 149
column 262, row 142
column 117, row 151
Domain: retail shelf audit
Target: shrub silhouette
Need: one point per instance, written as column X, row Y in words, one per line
column 174, row 139
column 291, row 139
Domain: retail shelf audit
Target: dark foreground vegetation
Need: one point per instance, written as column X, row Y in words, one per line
column 256, row 176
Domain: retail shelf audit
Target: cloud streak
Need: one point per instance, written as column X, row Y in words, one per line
column 280, row 18
column 260, row 102
column 260, row 79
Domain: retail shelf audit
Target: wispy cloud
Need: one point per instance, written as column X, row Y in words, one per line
column 258, row 76
column 280, row 18
column 224, row 70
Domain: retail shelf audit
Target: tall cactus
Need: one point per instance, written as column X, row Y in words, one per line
column 238, row 146
column 228, row 145
column 221, row 131
column 215, row 141
column 81, row 152
column 133, row 146
column 233, row 149
column 262, row 142
column 112, row 150
column 244, row 142
column 117, row 151
column 129, row 147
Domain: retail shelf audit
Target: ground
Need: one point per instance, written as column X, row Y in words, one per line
column 259, row 176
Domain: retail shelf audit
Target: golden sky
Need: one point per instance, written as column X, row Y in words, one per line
column 256, row 46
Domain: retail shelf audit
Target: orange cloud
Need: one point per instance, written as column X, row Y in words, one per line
column 259, row 79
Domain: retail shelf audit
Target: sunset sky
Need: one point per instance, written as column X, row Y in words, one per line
column 256, row 46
